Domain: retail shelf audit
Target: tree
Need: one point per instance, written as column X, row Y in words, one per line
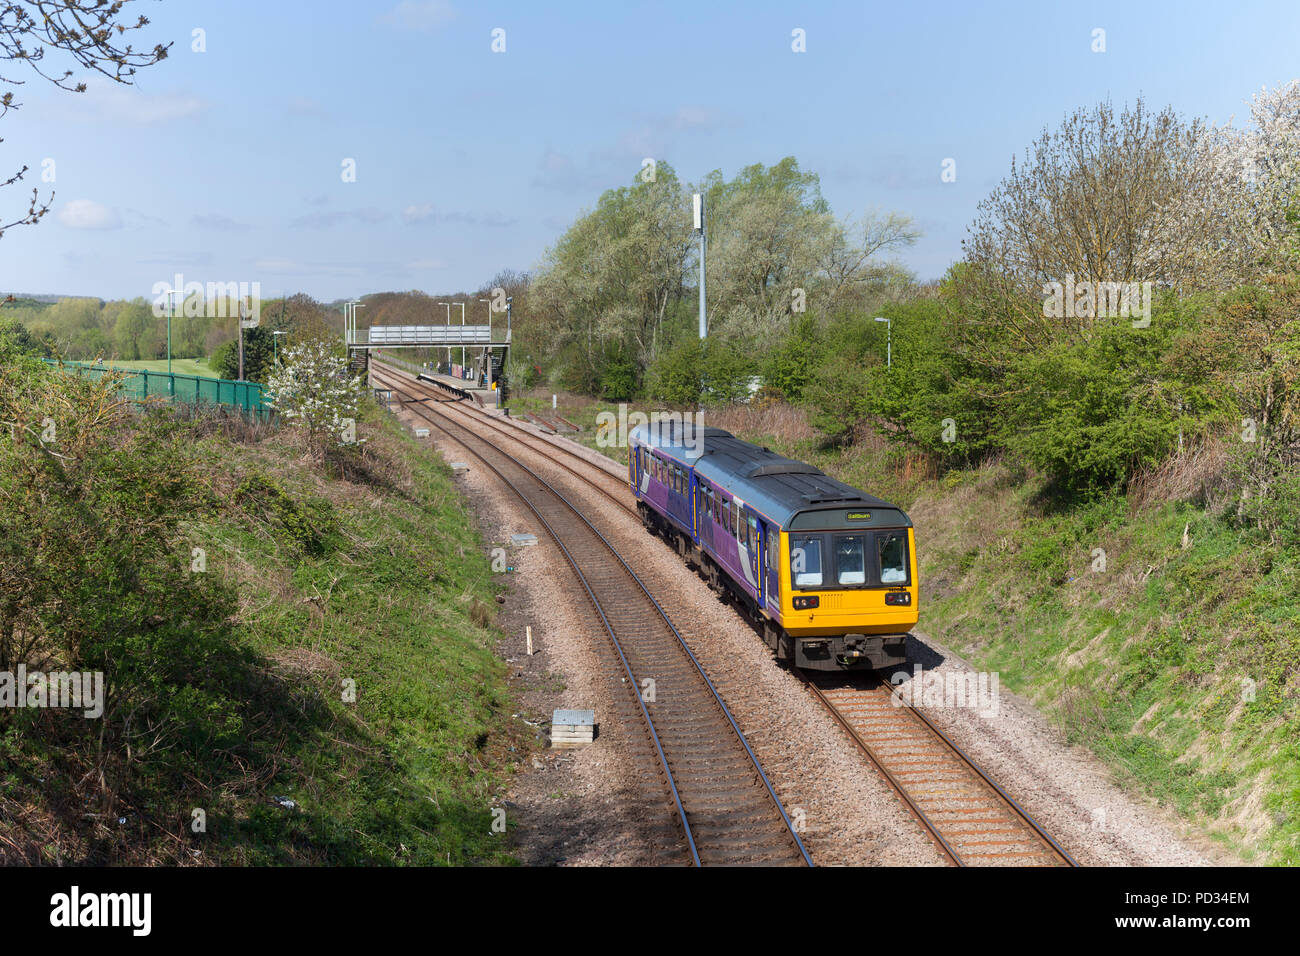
column 311, row 388
column 775, row 250
column 259, row 349
column 15, row 337
column 1133, row 198
column 86, row 31
column 614, row 275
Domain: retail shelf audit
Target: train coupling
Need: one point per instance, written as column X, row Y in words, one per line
column 850, row 652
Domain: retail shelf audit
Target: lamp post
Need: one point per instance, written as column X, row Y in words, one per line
column 350, row 320
column 171, row 310
column 448, row 305
column 462, row 336
column 489, row 326
column 275, row 349
column 889, row 341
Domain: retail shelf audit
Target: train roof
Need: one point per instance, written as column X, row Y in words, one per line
column 777, row 486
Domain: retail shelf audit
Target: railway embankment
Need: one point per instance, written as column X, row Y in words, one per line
column 298, row 656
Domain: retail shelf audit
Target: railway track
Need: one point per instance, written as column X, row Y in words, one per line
column 611, row 486
column 728, row 810
column 971, row 819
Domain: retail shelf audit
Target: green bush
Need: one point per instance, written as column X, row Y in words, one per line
column 618, row 379
column 792, row 365
column 696, row 371
column 1091, row 412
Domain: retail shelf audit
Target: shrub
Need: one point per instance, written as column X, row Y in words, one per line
column 696, row 370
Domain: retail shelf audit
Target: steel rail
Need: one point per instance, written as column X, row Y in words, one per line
column 520, row 435
column 613, row 637
column 931, row 829
column 1009, row 800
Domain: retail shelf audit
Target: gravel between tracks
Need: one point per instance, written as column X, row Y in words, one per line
column 599, row 805
column 850, row 815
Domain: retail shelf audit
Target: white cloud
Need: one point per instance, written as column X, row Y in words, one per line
column 120, row 103
column 328, row 220
column 426, row 212
column 418, row 212
column 419, row 14
column 88, row 214
column 425, row 265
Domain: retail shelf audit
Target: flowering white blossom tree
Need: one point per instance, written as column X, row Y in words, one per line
column 312, row 389
column 1266, row 160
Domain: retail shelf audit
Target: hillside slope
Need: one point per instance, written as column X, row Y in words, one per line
column 345, row 706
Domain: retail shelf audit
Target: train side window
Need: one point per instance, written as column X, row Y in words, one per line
column 726, row 514
column 806, row 560
column 892, row 546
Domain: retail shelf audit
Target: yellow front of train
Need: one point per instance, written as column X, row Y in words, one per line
column 849, row 596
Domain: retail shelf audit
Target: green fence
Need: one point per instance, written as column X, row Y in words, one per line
column 140, row 384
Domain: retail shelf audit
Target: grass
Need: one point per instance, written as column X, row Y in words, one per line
column 179, row 366
column 1178, row 665
column 402, row 609
column 373, row 698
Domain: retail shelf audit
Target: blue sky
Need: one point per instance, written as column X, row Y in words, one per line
column 225, row 165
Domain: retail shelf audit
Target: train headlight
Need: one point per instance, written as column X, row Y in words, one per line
column 804, row 603
column 903, row 598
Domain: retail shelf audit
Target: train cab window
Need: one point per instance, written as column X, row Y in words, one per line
column 806, row 560
column 773, row 545
column 851, row 558
column 893, row 557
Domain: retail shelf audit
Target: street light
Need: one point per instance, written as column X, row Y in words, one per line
column 462, row 336
column 889, row 341
column 350, row 320
column 275, row 351
column 171, row 309
column 448, row 305
column 489, row 325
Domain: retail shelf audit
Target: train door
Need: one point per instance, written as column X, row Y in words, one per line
column 771, row 566
column 754, row 545
column 695, row 506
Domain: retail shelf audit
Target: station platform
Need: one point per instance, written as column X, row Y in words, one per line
column 485, row 398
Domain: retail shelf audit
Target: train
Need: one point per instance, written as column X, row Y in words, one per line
column 827, row 572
